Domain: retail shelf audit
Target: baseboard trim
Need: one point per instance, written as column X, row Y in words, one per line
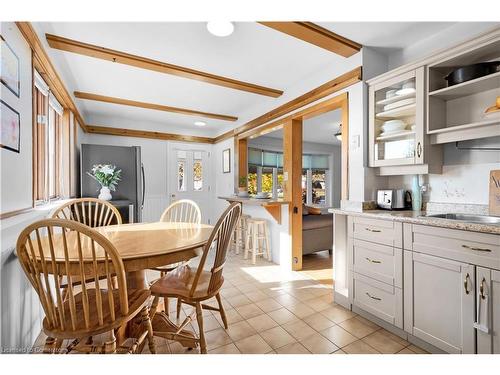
column 398, row 331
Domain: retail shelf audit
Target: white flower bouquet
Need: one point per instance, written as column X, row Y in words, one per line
column 106, row 174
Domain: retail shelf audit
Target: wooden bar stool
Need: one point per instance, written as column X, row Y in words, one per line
column 257, row 239
column 240, row 233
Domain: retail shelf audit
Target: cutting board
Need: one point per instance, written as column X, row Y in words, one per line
column 495, row 193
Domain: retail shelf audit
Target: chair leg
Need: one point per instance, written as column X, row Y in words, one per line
column 179, row 306
column 238, row 239
column 247, row 242
column 165, row 305
column 255, row 244
column 268, row 248
column 110, row 345
column 52, row 345
column 149, row 327
column 221, row 310
column 199, row 319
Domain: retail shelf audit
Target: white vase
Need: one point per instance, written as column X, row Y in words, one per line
column 105, row 194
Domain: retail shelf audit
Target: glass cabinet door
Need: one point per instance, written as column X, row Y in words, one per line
column 394, row 123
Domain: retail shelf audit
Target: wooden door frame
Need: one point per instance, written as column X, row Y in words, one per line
column 290, row 147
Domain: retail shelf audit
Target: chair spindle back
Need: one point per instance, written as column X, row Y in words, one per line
column 182, row 211
column 89, row 211
column 219, row 242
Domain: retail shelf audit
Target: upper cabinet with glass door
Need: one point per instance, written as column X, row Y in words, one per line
column 397, row 140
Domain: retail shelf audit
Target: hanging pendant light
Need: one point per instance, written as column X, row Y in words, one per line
column 338, row 134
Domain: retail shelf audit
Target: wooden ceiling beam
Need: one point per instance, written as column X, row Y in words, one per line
column 336, row 84
column 157, row 107
column 74, row 46
column 94, row 129
column 317, row 35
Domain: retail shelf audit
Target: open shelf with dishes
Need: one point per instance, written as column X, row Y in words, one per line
column 464, row 95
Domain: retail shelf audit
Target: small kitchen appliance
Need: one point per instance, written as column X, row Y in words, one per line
column 393, row 199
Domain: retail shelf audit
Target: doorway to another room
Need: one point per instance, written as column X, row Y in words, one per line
column 189, row 177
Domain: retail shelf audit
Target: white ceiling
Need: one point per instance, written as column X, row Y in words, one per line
column 253, row 53
column 386, row 35
column 319, row 129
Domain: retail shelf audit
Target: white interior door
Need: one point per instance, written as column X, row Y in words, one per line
column 189, row 177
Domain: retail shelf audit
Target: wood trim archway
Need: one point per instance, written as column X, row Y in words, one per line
column 292, row 156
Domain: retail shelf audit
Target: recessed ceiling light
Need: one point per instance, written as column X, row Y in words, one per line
column 220, row 28
column 200, row 123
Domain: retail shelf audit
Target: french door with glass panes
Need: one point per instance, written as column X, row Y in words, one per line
column 189, row 177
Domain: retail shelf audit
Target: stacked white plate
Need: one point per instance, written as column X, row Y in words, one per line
column 392, row 127
column 399, row 103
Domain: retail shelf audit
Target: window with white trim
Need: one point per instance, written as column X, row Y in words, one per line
column 52, row 146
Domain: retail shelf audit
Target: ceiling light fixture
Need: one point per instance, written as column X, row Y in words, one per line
column 220, row 28
column 338, row 134
column 200, row 123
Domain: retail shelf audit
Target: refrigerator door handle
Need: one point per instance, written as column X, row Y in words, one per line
column 143, row 185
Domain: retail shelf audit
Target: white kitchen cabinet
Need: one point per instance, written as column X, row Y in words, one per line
column 407, row 150
column 488, row 300
column 439, row 301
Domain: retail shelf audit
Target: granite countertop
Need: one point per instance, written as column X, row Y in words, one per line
column 254, row 201
column 414, row 217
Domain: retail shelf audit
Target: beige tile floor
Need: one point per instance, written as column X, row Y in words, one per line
column 273, row 311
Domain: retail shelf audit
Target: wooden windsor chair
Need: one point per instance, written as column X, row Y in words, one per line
column 195, row 285
column 76, row 252
column 91, row 212
column 181, row 211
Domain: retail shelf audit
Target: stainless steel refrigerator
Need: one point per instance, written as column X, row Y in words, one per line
column 129, row 194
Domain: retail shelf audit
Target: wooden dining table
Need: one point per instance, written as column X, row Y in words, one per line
column 143, row 246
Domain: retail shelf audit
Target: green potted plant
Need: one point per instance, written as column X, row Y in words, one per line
column 242, row 186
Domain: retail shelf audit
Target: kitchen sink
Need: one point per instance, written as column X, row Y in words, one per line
column 480, row 219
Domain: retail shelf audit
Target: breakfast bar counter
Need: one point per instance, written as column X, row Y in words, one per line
column 273, row 206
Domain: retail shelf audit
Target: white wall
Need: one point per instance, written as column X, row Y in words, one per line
column 16, row 184
column 224, row 182
column 20, row 309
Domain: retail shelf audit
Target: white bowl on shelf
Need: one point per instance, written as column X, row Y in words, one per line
column 393, row 125
column 408, row 88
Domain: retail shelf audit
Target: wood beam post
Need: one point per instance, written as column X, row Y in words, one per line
column 344, row 195
column 241, row 155
column 292, row 169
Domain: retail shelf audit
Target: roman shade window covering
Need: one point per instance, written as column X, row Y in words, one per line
column 274, row 159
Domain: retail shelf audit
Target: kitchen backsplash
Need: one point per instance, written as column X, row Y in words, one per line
column 465, row 177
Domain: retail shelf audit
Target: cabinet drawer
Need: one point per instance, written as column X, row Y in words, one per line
column 380, row 262
column 481, row 249
column 382, row 300
column 385, row 232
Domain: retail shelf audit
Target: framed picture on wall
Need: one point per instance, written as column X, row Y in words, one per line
column 9, row 68
column 10, row 127
column 226, row 161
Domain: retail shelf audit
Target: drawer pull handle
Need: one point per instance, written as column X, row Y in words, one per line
column 372, row 297
column 466, row 284
column 476, row 248
column 373, row 261
column 373, row 230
